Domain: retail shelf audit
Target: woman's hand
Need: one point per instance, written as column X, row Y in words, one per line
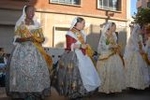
column 31, row 38
column 114, row 46
column 24, row 39
column 80, row 46
column 84, row 46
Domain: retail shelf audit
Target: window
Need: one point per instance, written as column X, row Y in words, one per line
column 68, row 2
column 114, row 5
column 59, row 32
column 148, row 4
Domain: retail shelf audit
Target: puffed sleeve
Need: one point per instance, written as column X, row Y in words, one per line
column 69, row 42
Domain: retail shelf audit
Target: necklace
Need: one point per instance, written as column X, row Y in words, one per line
column 29, row 22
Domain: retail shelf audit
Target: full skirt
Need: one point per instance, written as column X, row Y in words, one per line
column 111, row 72
column 137, row 75
column 27, row 72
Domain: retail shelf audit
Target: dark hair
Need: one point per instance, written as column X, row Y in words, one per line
column 79, row 19
column 26, row 8
column 113, row 23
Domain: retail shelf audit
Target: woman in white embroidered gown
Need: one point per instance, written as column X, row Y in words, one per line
column 110, row 65
column 77, row 75
column 147, row 51
column 28, row 74
column 136, row 67
column 147, row 47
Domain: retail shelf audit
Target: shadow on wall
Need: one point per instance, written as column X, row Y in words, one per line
column 93, row 36
column 122, row 38
column 93, row 39
column 26, row 2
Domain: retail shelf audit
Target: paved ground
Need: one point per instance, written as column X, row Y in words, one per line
column 125, row 95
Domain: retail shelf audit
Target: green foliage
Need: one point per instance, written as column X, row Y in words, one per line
column 142, row 17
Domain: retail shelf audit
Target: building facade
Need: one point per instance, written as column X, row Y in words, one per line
column 56, row 16
column 143, row 4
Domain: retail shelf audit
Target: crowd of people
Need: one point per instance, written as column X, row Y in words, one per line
column 30, row 71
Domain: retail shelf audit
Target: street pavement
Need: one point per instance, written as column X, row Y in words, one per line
column 125, row 95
